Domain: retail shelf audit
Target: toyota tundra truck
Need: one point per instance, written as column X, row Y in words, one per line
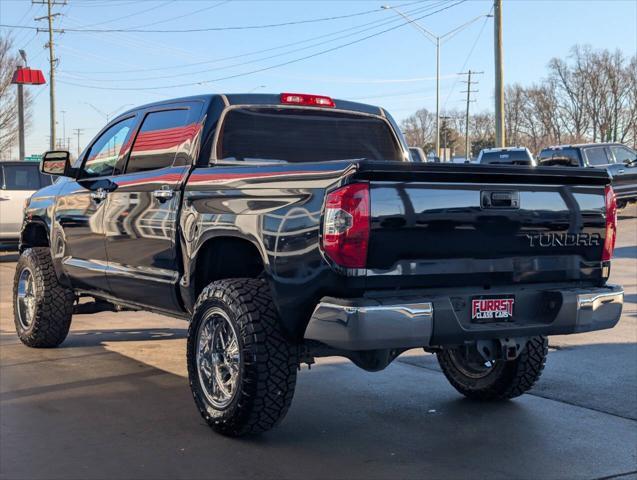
column 289, row 227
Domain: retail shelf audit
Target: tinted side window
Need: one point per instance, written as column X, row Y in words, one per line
column 105, row 152
column 623, row 154
column 597, row 156
column 162, row 136
column 21, row 177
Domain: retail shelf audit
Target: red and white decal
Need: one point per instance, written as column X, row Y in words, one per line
column 492, row 308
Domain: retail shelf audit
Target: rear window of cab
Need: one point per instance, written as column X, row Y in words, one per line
column 304, row 135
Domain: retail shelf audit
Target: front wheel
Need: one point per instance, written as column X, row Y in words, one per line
column 242, row 370
column 476, row 378
column 42, row 308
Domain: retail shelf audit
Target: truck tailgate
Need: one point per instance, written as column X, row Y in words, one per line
column 444, row 225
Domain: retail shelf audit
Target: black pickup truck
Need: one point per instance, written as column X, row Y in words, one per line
column 619, row 160
column 289, row 227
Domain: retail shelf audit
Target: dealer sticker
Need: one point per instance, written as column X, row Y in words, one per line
column 493, row 309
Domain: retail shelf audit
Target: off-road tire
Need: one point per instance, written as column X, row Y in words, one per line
column 507, row 379
column 53, row 309
column 268, row 362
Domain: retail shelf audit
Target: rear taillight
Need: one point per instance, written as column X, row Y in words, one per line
column 346, row 225
column 611, row 223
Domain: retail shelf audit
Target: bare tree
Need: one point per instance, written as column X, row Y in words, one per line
column 9, row 60
column 571, row 87
column 514, row 105
column 588, row 96
column 419, row 129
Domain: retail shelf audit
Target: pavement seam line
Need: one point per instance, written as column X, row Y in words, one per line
column 535, row 394
column 618, row 475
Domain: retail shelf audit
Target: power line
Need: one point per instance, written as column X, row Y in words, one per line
column 211, row 29
column 466, row 61
column 249, row 62
column 52, row 60
column 265, row 50
column 134, row 14
column 271, row 67
column 172, row 19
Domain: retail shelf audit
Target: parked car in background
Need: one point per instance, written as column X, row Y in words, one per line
column 619, row 160
column 506, row 156
column 18, row 181
column 417, row 154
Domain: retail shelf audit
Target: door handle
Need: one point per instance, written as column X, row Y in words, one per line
column 621, row 171
column 164, row 193
column 499, row 199
column 99, row 194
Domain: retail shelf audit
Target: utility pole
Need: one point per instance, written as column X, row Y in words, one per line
column 63, row 112
column 500, row 141
column 78, row 132
column 52, row 60
column 467, row 143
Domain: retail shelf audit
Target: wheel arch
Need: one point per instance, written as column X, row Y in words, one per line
column 35, row 233
column 222, row 257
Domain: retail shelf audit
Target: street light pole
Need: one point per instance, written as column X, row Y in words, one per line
column 107, row 116
column 438, row 97
column 437, row 41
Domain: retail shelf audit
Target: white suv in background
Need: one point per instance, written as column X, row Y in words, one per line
column 506, row 156
column 18, row 181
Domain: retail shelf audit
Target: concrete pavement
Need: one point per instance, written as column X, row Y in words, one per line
column 114, row 402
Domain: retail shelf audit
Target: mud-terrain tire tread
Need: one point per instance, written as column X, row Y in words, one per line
column 54, row 302
column 270, row 361
column 514, row 379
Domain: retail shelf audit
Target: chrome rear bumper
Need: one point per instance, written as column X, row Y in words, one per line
column 432, row 320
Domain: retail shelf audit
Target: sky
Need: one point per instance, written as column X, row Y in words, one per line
column 352, row 50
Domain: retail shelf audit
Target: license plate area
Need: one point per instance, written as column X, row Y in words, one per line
column 492, row 308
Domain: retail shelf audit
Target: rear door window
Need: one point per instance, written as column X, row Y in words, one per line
column 304, row 135
column 162, row 136
column 597, row 156
column 623, row 154
column 21, row 177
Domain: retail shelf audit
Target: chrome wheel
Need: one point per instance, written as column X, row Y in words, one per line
column 469, row 362
column 218, row 358
column 26, row 298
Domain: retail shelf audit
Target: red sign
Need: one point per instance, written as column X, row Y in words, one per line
column 26, row 76
column 492, row 308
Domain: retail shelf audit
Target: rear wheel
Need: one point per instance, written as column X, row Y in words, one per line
column 42, row 308
column 476, row 378
column 241, row 368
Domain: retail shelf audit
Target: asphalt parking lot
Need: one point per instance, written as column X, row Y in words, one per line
column 114, row 402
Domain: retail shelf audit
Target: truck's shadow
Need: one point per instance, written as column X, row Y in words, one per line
column 92, row 338
column 403, row 422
